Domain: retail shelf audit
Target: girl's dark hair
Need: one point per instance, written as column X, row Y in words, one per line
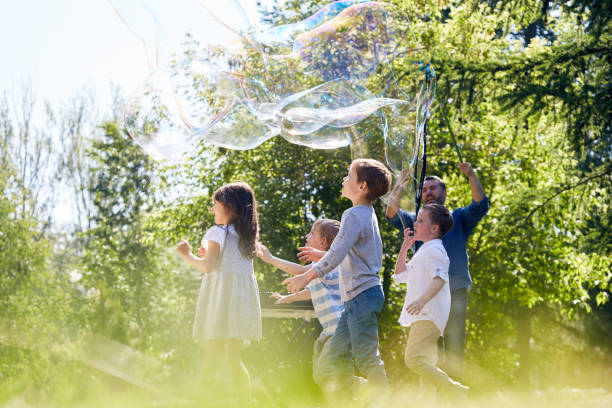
column 239, row 200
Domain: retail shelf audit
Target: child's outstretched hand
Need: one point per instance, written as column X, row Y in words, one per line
column 264, row 253
column 309, row 254
column 415, row 307
column 298, row 282
column 183, row 248
column 408, row 238
column 280, row 299
column 202, row 252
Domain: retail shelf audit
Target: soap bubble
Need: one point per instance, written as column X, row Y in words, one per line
column 350, row 74
column 396, row 135
column 153, row 119
column 351, row 45
column 164, row 26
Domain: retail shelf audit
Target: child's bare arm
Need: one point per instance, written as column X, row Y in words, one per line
column 289, row 267
column 205, row 264
column 394, row 198
column 400, row 264
column 301, row 295
column 432, row 290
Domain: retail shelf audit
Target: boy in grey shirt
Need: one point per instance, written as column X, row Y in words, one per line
column 357, row 249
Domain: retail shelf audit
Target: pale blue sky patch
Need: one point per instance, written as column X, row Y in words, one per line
column 61, row 45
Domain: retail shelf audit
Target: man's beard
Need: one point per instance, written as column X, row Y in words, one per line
column 435, row 200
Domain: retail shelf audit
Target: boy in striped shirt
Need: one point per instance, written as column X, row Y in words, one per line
column 324, row 292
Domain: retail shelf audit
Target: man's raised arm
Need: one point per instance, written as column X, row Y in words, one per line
column 478, row 193
column 394, row 198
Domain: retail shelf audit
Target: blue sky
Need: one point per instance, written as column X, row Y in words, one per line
column 60, row 45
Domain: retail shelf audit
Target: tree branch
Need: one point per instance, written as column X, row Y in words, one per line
column 568, row 188
column 495, row 67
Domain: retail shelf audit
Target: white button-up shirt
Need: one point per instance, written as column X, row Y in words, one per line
column 430, row 261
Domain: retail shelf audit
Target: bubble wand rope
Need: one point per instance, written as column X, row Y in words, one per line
column 450, row 132
column 418, row 189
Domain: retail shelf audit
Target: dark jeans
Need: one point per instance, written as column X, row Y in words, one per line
column 454, row 334
column 357, row 337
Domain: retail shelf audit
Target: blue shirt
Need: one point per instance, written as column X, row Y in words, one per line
column 465, row 220
column 325, row 294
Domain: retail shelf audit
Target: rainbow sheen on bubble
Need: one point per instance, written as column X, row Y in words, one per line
column 351, row 45
column 153, row 119
column 350, row 74
column 286, row 34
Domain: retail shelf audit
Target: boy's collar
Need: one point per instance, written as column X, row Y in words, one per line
column 434, row 240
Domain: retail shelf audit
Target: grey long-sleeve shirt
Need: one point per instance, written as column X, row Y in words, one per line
column 358, row 250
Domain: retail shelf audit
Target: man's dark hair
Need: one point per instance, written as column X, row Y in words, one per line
column 376, row 176
column 440, row 216
column 438, row 179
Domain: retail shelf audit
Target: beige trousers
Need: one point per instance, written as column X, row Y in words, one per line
column 422, row 354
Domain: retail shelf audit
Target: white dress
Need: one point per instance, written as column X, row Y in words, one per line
column 228, row 305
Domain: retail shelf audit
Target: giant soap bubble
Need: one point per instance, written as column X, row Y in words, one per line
column 350, row 74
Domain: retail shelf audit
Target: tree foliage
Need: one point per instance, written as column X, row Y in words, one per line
column 523, row 95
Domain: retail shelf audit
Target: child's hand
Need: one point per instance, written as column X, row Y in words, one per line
column 408, row 238
column 202, row 252
column 309, row 254
column 280, row 299
column 183, row 248
column 298, row 282
column 415, row 307
column 265, row 254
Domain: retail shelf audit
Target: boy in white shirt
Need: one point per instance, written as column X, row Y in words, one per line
column 428, row 300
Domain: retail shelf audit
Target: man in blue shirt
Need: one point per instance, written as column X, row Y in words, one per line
column 465, row 220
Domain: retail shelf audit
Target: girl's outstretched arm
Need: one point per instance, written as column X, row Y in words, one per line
column 204, row 264
column 289, row 267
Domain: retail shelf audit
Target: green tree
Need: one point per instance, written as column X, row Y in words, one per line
column 523, row 95
column 531, row 112
column 121, row 267
column 34, row 299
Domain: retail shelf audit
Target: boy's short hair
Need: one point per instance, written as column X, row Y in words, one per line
column 328, row 229
column 438, row 179
column 376, row 176
column 440, row 216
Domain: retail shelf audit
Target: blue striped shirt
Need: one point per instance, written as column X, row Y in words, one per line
column 325, row 294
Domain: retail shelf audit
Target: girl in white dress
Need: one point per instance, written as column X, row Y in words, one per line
column 228, row 311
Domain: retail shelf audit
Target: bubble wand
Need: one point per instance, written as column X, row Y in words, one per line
column 452, row 135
